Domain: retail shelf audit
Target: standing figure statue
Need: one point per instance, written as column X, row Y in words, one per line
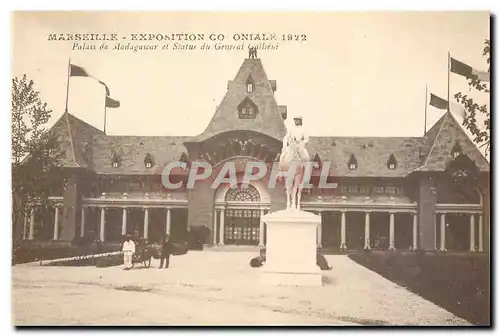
column 294, row 154
column 252, row 52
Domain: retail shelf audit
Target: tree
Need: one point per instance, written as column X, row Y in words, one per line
column 35, row 151
column 481, row 133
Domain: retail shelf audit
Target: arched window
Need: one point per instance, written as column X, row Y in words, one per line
column 242, row 194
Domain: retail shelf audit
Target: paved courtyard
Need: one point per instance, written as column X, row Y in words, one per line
column 213, row 288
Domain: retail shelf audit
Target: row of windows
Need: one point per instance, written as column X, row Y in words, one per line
column 119, row 185
column 378, row 190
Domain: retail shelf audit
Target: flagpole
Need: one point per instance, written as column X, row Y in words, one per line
column 105, row 97
column 67, row 84
column 425, row 118
column 448, row 109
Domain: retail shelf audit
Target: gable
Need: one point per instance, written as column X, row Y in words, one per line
column 268, row 120
column 449, row 134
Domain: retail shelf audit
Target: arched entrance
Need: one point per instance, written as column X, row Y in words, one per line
column 242, row 223
column 238, row 213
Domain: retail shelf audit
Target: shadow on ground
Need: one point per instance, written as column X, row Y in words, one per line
column 459, row 283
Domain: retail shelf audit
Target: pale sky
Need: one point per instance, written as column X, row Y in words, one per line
column 358, row 74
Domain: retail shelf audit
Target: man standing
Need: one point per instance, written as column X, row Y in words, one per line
column 166, row 250
column 128, row 251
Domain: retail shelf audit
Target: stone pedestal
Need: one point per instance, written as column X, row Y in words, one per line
column 291, row 249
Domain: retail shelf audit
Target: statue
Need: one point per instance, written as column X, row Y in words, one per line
column 252, row 52
column 294, row 153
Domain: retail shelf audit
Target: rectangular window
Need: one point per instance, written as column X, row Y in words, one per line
column 364, row 190
column 378, row 190
column 135, row 186
column 249, row 87
column 250, row 110
column 390, row 190
column 353, row 189
column 399, row 191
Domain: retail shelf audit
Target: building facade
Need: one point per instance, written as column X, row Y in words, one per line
column 411, row 193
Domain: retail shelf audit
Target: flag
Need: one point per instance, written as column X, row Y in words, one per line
column 438, row 102
column 76, row 70
column 442, row 104
column 467, row 71
column 106, row 87
column 110, row 102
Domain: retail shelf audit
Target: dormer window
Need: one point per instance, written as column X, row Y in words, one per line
column 249, row 84
column 456, row 150
column 148, row 161
column 247, row 109
column 317, row 161
column 391, row 163
column 353, row 163
column 184, row 158
column 115, row 161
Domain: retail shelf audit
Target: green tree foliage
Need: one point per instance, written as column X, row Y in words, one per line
column 35, row 150
column 480, row 132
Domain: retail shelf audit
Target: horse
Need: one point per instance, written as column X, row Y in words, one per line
column 145, row 254
column 154, row 251
column 294, row 155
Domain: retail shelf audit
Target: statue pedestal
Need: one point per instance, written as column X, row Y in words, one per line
column 291, row 249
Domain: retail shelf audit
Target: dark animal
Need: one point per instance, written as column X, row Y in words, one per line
column 144, row 255
column 320, row 261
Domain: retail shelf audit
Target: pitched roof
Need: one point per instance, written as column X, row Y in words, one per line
column 62, row 128
column 268, row 119
column 81, row 135
column 371, row 153
column 132, row 150
column 447, row 132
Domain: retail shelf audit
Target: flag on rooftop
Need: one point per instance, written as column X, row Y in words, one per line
column 438, row 102
column 442, row 104
column 467, row 71
column 76, row 70
column 110, row 102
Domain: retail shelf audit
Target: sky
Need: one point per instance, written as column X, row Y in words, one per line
column 358, row 73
